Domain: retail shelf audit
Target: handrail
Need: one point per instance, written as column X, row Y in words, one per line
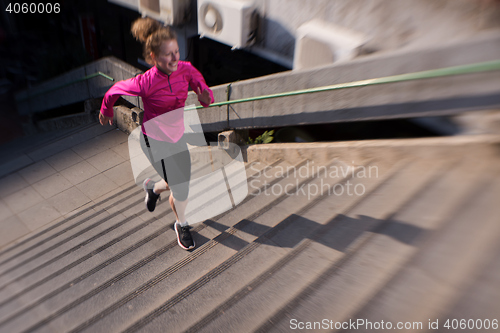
column 68, row 84
column 441, row 72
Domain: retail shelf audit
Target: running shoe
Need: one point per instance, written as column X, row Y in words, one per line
column 184, row 238
column 151, row 196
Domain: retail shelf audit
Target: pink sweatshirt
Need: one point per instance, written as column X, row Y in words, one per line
column 160, row 94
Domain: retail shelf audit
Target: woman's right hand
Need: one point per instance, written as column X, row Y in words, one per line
column 203, row 96
column 103, row 119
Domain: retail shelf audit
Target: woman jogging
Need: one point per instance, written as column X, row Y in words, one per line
column 163, row 89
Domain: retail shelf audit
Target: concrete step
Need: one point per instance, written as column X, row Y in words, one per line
column 480, row 300
column 217, row 251
column 243, row 233
column 445, row 265
column 91, row 234
column 303, row 265
column 291, row 237
column 342, row 289
column 70, row 267
column 226, row 240
column 41, row 280
column 65, row 226
column 48, row 284
column 124, row 201
column 217, row 288
column 173, row 245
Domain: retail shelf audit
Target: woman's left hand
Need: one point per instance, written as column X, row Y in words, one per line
column 203, row 97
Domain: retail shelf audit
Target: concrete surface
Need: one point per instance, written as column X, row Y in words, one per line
column 48, row 95
column 393, row 230
column 419, row 98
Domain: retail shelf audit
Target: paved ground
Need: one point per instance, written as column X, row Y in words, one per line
column 59, row 177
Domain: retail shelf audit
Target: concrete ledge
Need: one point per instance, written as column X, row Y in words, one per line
column 56, row 92
column 232, row 136
column 428, row 97
column 385, row 152
column 127, row 119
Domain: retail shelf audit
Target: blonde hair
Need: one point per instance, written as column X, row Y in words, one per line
column 151, row 33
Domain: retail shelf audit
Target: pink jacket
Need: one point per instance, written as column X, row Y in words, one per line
column 160, row 94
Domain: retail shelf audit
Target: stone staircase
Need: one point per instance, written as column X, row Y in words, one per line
column 410, row 238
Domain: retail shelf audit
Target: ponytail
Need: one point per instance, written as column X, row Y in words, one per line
column 151, row 34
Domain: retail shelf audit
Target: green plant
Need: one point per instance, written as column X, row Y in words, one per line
column 265, row 137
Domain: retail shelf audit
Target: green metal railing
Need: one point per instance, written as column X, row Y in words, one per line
column 67, row 84
column 434, row 73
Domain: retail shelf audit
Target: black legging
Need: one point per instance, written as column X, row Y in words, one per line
column 173, row 163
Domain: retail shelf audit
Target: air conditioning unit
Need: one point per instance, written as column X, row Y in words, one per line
column 172, row 12
column 130, row 4
column 320, row 43
column 232, row 22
